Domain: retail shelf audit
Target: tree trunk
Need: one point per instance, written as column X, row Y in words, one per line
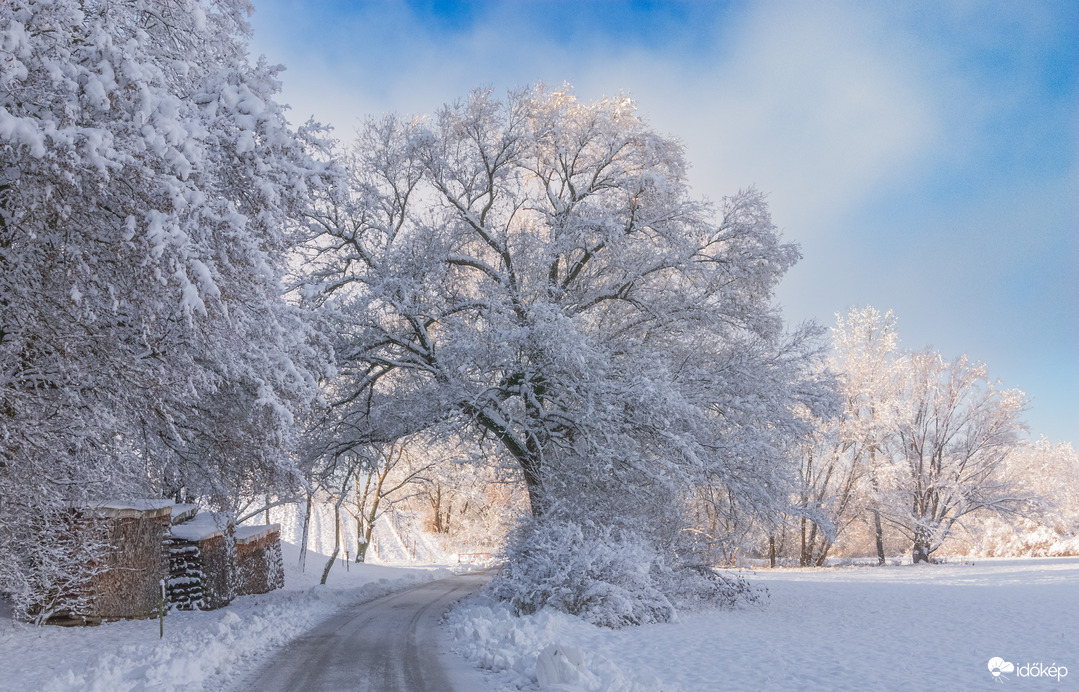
column 436, row 508
column 811, row 547
column 369, row 518
column 336, row 538
column 533, row 486
column 920, row 550
column 306, row 530
column 361, row 550
column 877, row 528
column 880, row 536
column 361, row 503
column 772, row 551
column 526, row 453
column 919, row 553
column 803, row 558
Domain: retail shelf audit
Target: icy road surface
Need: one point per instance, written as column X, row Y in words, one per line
column 389, row 644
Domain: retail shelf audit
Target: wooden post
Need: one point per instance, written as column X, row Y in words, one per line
column 161, row 611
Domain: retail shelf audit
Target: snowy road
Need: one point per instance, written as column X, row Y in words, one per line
column 389, row 644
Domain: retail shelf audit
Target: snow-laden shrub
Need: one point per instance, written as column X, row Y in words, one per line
column 690, row 586
column 607, row 576
column 1064, row 547
column 1022, row 537
column 603, row 576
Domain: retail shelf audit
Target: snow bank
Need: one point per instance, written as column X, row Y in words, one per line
column 490, row 637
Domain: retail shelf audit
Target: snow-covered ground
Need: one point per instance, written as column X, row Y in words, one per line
column 200, row 650
column 901, row 627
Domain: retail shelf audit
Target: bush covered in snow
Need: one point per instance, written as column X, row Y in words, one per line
column 608, row 576
column 590, row 571
column 1022, row 537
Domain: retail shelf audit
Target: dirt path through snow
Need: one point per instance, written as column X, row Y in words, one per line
column 389, row 644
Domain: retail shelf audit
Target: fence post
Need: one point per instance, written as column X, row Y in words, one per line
column 161, row 611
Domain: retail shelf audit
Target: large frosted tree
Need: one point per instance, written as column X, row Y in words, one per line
column 953, row 432
column 534, row 271
column 922, row 443
column 147, row 179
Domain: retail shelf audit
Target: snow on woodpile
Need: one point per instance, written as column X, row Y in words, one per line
column 199, row 564
column 134, row 508
column 259, row 567
column 200, row 573
column 183, row 512
column 126, row 581
column 203, row 560
column 204, row 526
column 213, row 561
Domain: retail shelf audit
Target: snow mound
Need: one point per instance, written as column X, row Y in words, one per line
column 524, row 653
column 560, row 667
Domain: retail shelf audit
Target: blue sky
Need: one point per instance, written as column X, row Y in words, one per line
column 925, row 155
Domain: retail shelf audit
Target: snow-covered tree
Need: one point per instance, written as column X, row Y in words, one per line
column 470, row 503
column 841, row 461
column 535, row 271
column 954, row 429
column 147, row 180
column 389, row 475
column 1049, row 474
column 922, row 444
column 1051, row 471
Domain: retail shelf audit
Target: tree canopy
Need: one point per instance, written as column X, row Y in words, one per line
column 148, row 180
column 535, row 271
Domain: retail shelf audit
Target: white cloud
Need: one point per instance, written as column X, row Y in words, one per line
column 803, row 103
column 805, row 107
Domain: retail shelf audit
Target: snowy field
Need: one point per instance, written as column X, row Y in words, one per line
column 210, row 650
column 926, row 627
